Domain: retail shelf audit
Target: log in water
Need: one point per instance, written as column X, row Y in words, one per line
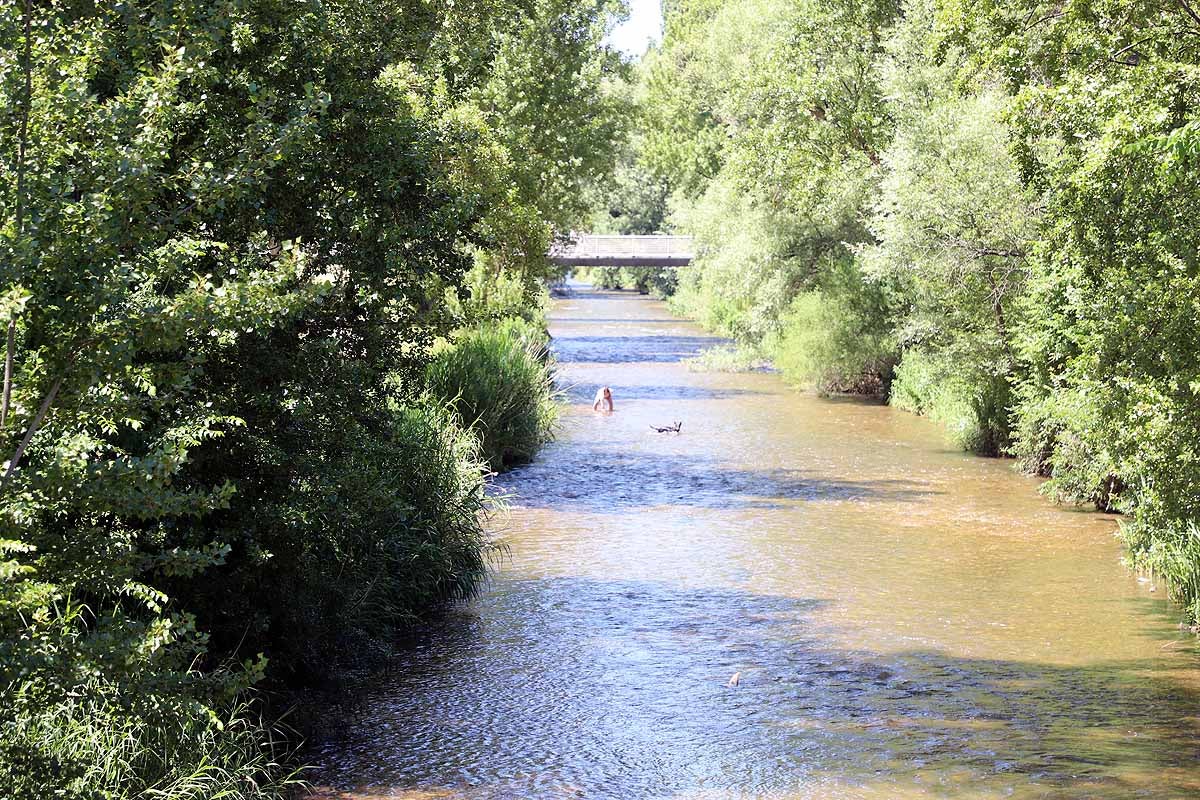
column 903, row 620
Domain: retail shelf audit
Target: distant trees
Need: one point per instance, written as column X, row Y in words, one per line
column 981, row 210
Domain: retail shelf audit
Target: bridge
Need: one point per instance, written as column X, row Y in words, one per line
column 596, row 250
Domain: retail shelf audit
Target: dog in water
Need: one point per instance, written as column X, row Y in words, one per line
column 603, row 401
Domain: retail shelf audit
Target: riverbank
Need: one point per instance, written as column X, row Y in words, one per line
column 906, row 620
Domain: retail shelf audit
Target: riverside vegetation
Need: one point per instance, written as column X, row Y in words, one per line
column 270, row 282
column 981, row 211
column 271, row 275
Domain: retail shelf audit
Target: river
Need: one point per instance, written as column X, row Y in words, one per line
column 903, row 620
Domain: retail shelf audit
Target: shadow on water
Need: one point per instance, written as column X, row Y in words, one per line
column 630, row 349
column 566, row 479
column 619, row 690
column 586, row 392
column 1162, row 623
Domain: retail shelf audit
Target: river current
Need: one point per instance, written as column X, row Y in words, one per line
column 903, row 620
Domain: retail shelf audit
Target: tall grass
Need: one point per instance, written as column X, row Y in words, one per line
column 499, row 380
column 1170, row 552
column 108, row 737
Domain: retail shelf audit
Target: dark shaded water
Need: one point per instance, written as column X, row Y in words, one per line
column 905, row 621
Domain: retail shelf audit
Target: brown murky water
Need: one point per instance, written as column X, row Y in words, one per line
column 906, row 621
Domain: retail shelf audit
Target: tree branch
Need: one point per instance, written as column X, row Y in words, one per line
column 34, row 426
column 1047, row 18
column 1188, row 9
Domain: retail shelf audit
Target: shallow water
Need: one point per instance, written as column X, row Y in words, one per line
column 904, row 620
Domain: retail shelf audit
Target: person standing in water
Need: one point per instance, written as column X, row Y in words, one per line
column 603, row 401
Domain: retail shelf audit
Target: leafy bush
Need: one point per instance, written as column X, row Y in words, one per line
column 751, row 261
column 837, row 339
column 973, row 412
column 499, row 380
column 368, row 522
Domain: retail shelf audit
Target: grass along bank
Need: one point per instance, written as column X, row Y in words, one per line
column 498, row 379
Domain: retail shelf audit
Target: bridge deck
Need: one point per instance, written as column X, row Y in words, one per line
column 589, row 250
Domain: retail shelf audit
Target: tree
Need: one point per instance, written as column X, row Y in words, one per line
column 229, row 230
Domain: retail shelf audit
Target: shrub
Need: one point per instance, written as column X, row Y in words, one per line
column 837, row 338
column 973, row 409
column 499, row 380
column 366, row 524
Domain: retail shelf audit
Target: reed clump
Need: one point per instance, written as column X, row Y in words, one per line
column 499, row 379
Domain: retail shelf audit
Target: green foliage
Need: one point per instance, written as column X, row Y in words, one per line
column 498, row 379
column 974, row 412
column 558, row 103
column 644, row 280
column 227, row 235
column 782, row 120
column 831, row 341
column 633, row 203
column 600, row 277
column 1110, row 403
column 379, row 519
column 751, row 262
column 487, row 296
column 632, row 200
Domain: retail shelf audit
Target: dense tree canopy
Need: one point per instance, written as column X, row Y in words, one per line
column 228, row 232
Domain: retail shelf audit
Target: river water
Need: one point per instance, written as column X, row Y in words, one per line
column 903, row 620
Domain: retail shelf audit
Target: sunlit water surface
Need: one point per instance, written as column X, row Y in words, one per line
column 905, row 620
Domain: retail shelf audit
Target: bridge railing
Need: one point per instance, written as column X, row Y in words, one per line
column 656, row 249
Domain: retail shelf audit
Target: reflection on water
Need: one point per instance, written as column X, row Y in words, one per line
column 906, row 621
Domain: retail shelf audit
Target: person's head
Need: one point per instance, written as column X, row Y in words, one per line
column 606, row 392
